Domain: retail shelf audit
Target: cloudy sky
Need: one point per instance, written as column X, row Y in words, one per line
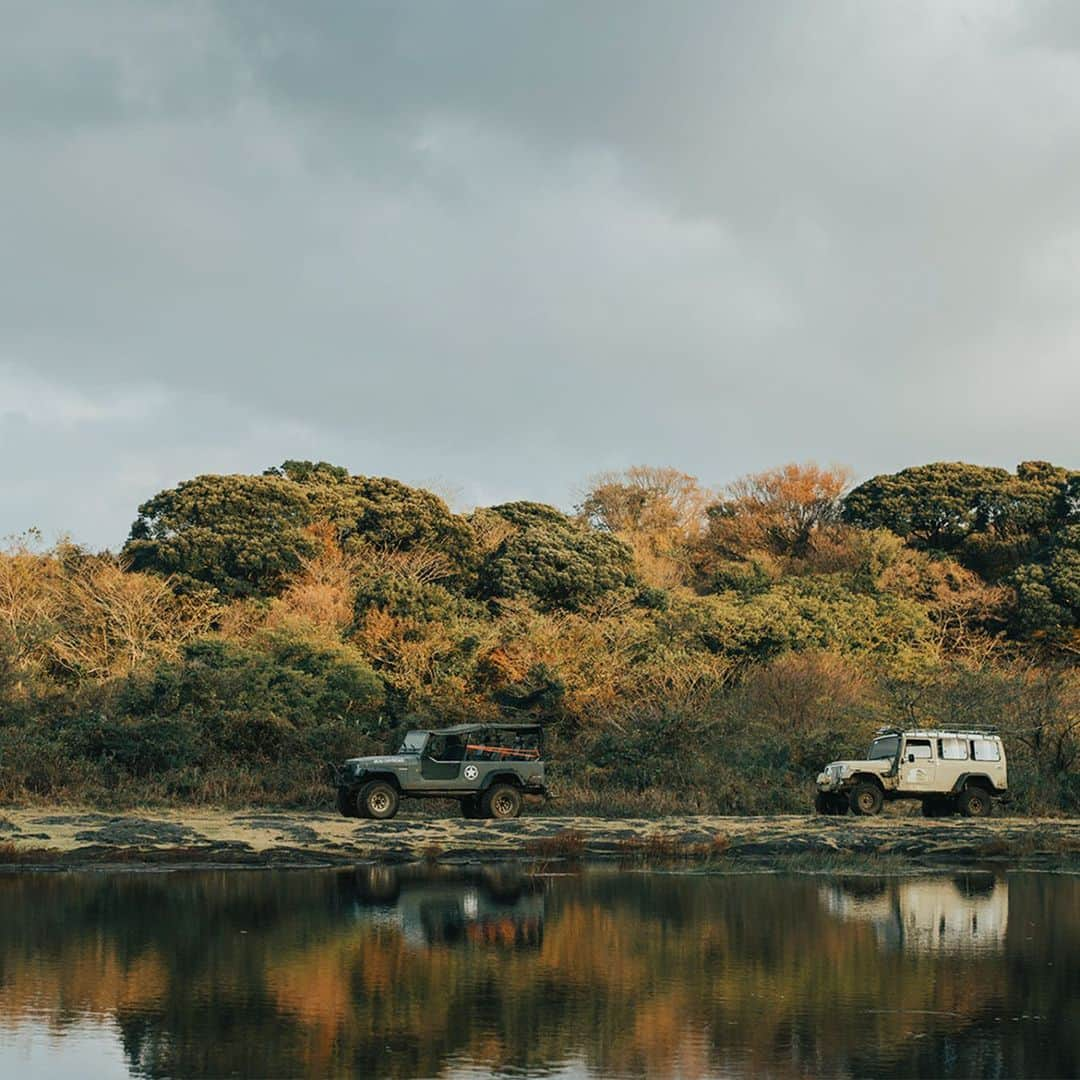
column 495, row 247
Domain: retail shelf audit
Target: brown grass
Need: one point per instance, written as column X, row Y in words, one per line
column 13, row 855
column 660, row 847
column 567, row 844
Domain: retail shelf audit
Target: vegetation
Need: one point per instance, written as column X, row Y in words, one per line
column 685, row 648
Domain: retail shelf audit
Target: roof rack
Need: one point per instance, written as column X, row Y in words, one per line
column 982, row 729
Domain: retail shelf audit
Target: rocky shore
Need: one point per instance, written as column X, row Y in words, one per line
column 66, row 838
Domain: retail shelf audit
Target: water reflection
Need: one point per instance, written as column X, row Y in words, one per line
column 490, row 908
column 401, row 974
column 968, row 914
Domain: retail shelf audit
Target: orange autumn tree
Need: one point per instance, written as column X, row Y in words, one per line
column 659, row 511
column 779, row 511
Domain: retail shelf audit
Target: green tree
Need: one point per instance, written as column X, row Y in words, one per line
column 379, row 512
column 553, row 560
column 525, row 514
column 991, row 519
column 1048, row 591
column 244, row 535
column 934, row 506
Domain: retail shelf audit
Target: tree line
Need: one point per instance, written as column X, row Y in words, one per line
column 686, row 647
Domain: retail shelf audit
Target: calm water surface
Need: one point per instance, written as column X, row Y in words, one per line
column 386, row 973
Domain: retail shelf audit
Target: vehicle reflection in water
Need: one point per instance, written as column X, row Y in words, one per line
column 409, row 973
column 491, row 908
column 968, row 913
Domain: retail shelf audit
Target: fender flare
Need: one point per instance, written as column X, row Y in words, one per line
column 368, row 777
column 980, row 779
column 500, row 778
column 860, row 777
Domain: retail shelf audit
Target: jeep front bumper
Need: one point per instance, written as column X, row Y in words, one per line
column 833, row 780
column 829, row 782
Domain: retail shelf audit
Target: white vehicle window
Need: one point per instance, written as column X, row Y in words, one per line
column 985, row 750
column 919, row 748
column 953, row 749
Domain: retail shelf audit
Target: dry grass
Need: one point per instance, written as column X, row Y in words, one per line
column 661, row 847
column 567, row 844
column 1032, row 843
column 13, row 855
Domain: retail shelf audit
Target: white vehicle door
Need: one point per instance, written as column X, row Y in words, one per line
column 918, row 766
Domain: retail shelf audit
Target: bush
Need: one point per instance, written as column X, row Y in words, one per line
column 140, row 746
column 557, row 565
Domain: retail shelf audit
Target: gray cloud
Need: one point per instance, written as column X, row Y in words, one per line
column 499, row 246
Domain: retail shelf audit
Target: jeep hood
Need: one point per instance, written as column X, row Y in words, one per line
column 381, row 759
column 878, row 765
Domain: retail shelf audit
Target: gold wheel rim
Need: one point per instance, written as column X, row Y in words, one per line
column 503, row 805
column 379, row 802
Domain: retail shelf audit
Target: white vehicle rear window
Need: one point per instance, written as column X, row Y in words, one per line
column 953, row 749
column 985, row 750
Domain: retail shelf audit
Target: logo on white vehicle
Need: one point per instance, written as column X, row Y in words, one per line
column 471, row 772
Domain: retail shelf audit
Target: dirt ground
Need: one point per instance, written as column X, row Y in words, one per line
column 60, row 837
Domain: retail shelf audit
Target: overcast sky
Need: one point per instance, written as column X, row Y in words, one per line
column 496, row 247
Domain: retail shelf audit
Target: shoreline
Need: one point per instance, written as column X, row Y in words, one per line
column 61, row 838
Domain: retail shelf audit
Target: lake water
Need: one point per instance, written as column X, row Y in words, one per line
column 402, row 974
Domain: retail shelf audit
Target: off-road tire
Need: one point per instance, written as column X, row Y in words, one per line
column 346, row 803
column 470, row 808
column 866, row 799
column 502, row 802
column 378, row 799
column 975, row 801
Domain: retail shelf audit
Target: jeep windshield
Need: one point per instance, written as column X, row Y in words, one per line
column 414, row 742
column 883, row 748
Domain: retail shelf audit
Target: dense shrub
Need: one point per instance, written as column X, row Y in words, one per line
column 557, row 565
column 140, row 746
column 683, row 649
column 245, row 535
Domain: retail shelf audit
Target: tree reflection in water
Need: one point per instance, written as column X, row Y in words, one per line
column 387, row 972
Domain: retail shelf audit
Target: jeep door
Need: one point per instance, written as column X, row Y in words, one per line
column 441, row 760
column 918, row 766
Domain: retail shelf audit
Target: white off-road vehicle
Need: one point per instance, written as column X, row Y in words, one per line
column 947, row 771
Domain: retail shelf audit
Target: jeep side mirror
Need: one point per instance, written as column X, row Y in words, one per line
column 911, row 758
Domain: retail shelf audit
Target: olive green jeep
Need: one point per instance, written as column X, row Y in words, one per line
column 947, row 771
column 489, row 768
